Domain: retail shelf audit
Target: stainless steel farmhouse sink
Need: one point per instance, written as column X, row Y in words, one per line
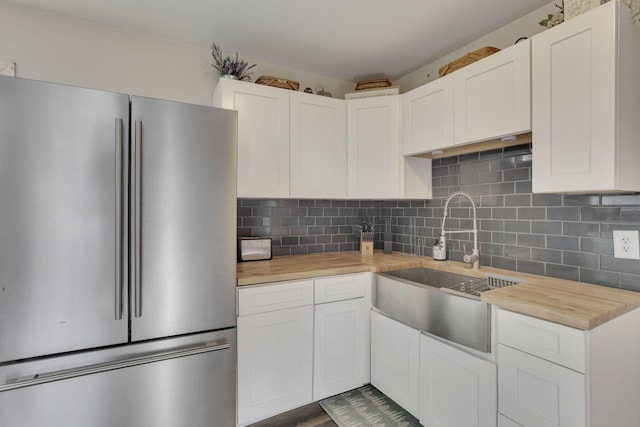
column 437, row 302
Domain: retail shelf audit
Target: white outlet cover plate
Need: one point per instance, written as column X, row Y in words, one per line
column 626, row 244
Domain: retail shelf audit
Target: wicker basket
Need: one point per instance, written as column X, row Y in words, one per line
column 278, row 82
column 373, row 84
column 469, row 58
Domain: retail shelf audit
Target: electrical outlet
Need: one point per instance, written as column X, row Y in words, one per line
column 625, row 244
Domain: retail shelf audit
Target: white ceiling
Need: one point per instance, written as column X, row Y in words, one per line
column 345, row 39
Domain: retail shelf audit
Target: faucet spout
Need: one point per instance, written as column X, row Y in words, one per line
column 474, row 257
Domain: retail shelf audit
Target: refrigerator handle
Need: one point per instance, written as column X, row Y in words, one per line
column 110, row 366
column 137, row 235
column 118, row 212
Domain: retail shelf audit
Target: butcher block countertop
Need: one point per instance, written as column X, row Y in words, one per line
column 327, row 264
column 578, row 305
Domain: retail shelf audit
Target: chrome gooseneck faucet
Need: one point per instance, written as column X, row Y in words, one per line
column 474, row 257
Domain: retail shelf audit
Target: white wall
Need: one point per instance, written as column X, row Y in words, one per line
column 501, row 38
column 70, row 51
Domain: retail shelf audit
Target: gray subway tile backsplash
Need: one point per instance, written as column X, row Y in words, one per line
column 564, row 236
column 563, row 214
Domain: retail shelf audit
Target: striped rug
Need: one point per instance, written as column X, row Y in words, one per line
column 367, row 406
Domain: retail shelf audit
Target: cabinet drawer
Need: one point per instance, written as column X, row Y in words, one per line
column 264, row 298
column 553, row 342
column 537, row 393
column 337, row 288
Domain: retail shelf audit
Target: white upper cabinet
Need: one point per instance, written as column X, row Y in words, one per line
column 486, row 100
column 428, row 117
column 586, row 95
column 318, row 146
column 373, row 129
column 263, row 136
column 376, row 167
column 492, row 97
column 299, row 145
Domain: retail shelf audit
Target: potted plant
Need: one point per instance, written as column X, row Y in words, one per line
column 229, row 67
column 554, row 19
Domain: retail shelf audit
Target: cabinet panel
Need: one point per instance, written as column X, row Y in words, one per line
column 373, row 130
column 275, row 353
column 428, row 117
column 492, row 97
column 416, row 178
column 318, row 146
column 263, row 136
column 449, row 376
column 557, row 343
column 340, row 356
column 537, row 393
column 506, row 422
column 395, row 361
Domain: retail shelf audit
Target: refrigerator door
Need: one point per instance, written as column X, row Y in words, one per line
column 166, row 383
column 183, row 218
column 62, row 190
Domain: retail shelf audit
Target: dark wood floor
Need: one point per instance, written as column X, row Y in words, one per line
column 311, row 415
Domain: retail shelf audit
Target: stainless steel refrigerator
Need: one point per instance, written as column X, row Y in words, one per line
column 117, row 261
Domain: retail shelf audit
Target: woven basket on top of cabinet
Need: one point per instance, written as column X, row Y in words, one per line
column 278, row 82
column 469, row 58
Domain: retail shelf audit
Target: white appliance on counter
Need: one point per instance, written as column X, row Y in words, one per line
column 117, row 285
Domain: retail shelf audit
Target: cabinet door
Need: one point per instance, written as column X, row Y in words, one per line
column 449, row 376
column 395, row 361
column 537, row 393
column 275, row 352
column 492, row 97
column 341, row 360
column 574, row 104
column 263, row 136
column 318, row 146
column 373, row 129
column 427, row 117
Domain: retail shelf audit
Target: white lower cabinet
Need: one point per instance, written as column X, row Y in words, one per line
column 456, row 388
column 554, row 375
column 395, row 361
column 341, row 350
column 539, row 393
column 291, row 352
column 341, row 334
column 274, row 362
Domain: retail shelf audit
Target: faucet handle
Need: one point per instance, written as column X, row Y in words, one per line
column 469, row 258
